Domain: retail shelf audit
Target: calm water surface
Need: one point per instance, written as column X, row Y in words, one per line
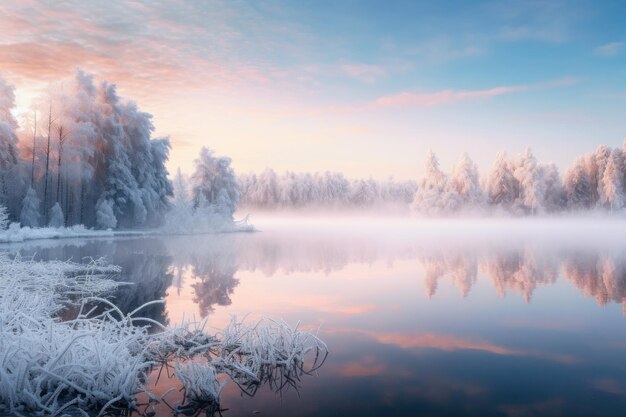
column 442, row 320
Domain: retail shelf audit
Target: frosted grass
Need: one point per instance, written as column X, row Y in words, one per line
column 97, row 360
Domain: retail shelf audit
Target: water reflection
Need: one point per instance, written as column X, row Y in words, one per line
column 209, row 264
column 415, row 325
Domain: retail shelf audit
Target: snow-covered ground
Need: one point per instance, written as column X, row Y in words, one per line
column 15, row 233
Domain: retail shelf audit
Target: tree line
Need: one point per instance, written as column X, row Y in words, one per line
column 269, row 190
column 85, row 156
column 518, row 185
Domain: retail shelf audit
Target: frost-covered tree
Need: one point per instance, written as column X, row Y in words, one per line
column 601, row 158
column 554, row 198
column 8, row 124
column 103, row 149
column 214, row 182
column 4, row 218
column 8, row 140
column 435, row 196
column 577, row 185
column 364, row 192
column 180, row 188
column 105, row 217
column 56, row 216
column 612, row 181
column 501, row 186
column 466, row 182
column 29, row 216
column 527, row 172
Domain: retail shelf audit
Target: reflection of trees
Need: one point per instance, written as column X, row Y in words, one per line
column 520, row 271
column 212, row 261
column 145, row 264
column 461, row 266
column 215, row 281
column 600, row 276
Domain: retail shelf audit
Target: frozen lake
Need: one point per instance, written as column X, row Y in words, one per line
column 444, row 318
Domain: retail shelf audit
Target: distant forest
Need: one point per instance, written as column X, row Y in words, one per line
column 83, row 155
column 520, row 185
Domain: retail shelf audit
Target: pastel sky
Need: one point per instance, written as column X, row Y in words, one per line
column 363, row 87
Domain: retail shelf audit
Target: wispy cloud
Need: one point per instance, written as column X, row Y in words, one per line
column 442, row 97
column 610, row 49
column 363, row 72
column 536, row 20
column 442, row 50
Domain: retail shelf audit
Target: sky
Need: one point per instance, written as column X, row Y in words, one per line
column 362, row 87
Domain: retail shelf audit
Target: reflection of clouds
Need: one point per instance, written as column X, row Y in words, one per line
column 610, row 385
column 551, row 407
column 428, row 340
column 367, row 365
column 449, row 343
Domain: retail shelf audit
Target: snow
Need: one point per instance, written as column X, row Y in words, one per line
column 15, row 233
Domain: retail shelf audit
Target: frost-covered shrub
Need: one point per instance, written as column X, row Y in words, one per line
column 105, row 218
column 56, row 217
column 29, row 216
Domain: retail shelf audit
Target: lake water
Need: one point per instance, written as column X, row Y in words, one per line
column 445, row 318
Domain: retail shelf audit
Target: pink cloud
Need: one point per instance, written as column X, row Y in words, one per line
column 363, row 72
column 430, row 99
column 441, row 97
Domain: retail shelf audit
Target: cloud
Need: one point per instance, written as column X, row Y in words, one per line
column 146, row 49
column 443, row 50
column 536, row 20
column 363, row 72
column 442, row 97
column 610, row 49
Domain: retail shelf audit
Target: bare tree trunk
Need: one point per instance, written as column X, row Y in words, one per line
column 32, row 171
column 45, row 186
column 61, row 139
column 82, row 201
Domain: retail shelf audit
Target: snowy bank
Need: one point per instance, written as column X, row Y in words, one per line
column 15, row 233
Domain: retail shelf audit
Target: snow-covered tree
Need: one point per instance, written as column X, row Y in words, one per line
column 56, row 217
column 29, row 216
column 601, row 158
column 466, row 182
column 501, row 186
column 554, row 198
column 435, row 195
column 4, row 218
column 105, row 217
column 612, row 181
column 213, row 180
column 8, row 140
column 102, row 148
column 528, row 174
column 577, row 186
